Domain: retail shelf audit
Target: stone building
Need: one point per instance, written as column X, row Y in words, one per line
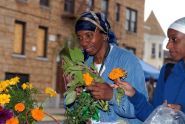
column 33, row 32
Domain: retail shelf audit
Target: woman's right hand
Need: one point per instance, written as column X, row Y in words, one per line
column 129, row 90
column 101, row 91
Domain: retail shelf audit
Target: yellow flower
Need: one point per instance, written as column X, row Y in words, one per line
column 37, row 114
column 14, row 81
column 24, row 86
column 3, row 85
column 50, row 92
column 88, row 79
column 30, row 86
column 117, row 73
column 4, row 98
column 19, row 107
column 12, row 120
column 27, row 85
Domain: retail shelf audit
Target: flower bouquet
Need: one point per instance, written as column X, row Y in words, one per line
column 18, row 104
column 80, row 108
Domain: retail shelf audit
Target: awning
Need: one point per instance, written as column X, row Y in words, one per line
column 149, row 70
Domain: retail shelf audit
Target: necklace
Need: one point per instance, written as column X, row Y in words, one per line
column 104, row 58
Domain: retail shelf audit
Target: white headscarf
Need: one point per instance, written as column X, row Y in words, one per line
column 178, row 25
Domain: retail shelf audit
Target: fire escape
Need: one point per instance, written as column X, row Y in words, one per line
column 72, row 8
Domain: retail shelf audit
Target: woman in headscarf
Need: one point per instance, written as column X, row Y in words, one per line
column 99, row 44
column 170, row 90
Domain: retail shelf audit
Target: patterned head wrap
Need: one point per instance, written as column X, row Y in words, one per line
column 178, row 25
column 90, row 20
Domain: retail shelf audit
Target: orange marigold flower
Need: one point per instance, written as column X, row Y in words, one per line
column 37, row 114
column 117, row 73
column 88, row 79
column 12, row 120
column 19, row 107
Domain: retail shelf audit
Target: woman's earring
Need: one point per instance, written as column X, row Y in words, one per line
column 105, row 38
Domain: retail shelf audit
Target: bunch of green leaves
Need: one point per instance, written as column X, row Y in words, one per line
column 83, row 110
column 74, row 67
column 120, row 91
column 25, row 96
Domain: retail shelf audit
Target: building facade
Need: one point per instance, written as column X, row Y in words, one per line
column 153, row 39
column 33, row 32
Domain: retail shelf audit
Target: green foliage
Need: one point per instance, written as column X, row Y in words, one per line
column 84, row 107
column 120, row 94
column 76, row 55
column 70, row 97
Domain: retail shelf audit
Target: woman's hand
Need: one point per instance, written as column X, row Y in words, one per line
column 101, row 91
column 175, row 107
column 129, row 90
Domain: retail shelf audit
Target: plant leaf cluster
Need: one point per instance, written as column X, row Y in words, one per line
column 83, row 107
column 120, row 94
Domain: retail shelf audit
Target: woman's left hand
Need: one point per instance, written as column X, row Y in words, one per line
column 101, row 91
column 175, row 107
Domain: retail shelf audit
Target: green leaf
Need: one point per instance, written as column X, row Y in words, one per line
column 79, row 77
column 67, row 61
column 93, row 66
column 75, row 68
column 96, row 115
column 76, row 55
column 104, row 105
column 70, row 97
column 71, row 83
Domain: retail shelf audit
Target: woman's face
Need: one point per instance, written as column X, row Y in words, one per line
column 176, row 44
column 91, row 41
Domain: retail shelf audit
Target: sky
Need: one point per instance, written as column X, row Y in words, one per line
column 166, row 11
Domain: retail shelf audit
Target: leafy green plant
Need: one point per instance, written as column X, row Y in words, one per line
column 83, row 107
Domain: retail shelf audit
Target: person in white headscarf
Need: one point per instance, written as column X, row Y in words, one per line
column 169, row 90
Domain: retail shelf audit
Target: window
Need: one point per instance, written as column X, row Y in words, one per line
column 19, row 38
column 153, row 51
column 90, row 5
column 104, row 7
column 69, row 6
column 42, row 41
column 23, row 77
column 160, row 50
column 117, row 12
column 44, row 2
column 131, row 20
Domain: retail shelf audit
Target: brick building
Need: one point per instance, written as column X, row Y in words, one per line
column 32, row 34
